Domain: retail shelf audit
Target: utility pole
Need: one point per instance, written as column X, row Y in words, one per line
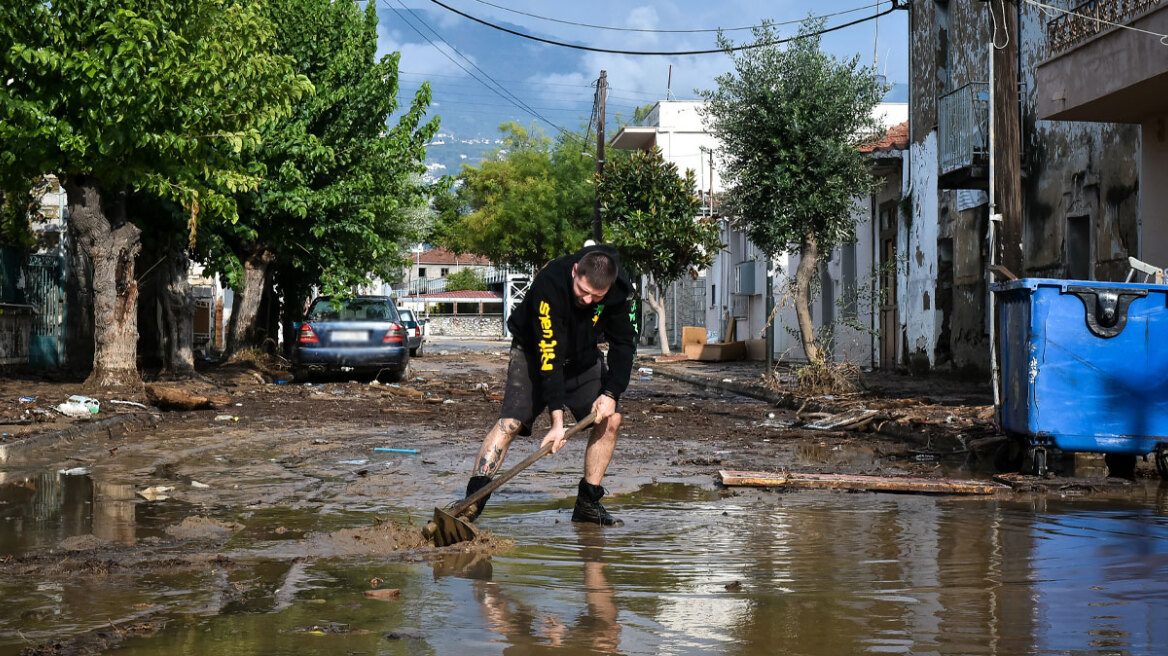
column 601, row 84
column 1007, row 141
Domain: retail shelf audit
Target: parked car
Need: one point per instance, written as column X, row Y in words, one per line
column 363, row 334
column 415, row 328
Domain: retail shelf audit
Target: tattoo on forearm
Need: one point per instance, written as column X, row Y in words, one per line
column 489, row 463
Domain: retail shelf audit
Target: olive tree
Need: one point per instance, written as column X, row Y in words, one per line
column 789, row 119
column 652, row 217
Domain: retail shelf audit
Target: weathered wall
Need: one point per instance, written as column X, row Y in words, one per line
column 1154, row 195
column 1074, row 169
column 916, row 286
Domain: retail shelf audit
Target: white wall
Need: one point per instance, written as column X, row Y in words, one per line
column 917, row 281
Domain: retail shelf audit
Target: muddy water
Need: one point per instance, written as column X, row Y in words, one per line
column 695, row 570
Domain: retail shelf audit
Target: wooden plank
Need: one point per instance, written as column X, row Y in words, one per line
column 903, row 484
column 842, row 420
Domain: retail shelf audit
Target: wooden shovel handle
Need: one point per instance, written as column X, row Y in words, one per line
column 510, row 473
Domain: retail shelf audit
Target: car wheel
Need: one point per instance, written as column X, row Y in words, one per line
column 300, row 375
column 416, row 352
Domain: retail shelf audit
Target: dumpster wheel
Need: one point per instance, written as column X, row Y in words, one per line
column 1038, row 459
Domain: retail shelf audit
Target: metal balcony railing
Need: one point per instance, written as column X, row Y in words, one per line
column 1088, row 19
column 963, row 118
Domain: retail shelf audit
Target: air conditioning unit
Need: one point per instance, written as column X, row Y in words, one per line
column 744, row 278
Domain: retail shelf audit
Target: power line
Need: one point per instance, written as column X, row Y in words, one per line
column 501, row 91
column 635, row 29
column 894, row 7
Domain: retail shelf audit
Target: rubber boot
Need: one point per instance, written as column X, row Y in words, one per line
column 475, row 484
column 588, row 509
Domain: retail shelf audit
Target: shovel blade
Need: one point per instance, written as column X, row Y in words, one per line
column 448, row 529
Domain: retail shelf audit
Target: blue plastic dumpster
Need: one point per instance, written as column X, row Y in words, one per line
column 1084, row 364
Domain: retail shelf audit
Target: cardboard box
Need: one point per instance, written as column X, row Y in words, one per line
column 693, row 344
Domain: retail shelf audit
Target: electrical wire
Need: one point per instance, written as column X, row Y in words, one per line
column 748, row 46
column 994, row 18
column 501, row 91
column 1048, row 8
column 634, row 29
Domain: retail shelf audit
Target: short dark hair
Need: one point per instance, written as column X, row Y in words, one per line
column 598, row 268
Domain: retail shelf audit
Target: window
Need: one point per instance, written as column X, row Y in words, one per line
column 445, row 271
column 850, row 292
column 421, row 272
column 1079, row 247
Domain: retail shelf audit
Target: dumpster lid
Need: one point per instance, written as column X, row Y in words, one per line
column 1034, row 283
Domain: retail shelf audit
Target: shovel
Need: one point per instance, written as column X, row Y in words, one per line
column 449, row 528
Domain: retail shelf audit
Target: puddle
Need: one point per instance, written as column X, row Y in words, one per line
column 695, row 570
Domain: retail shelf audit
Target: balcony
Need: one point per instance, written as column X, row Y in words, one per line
column 963, row 120
column 1096, row 71
column 1088, row 20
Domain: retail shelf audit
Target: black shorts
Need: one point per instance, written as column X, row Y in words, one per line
column 523, row 398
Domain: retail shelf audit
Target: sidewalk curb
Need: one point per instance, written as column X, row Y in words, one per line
column 120, row 424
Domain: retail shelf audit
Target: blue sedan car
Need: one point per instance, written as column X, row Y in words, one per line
column 362, row 335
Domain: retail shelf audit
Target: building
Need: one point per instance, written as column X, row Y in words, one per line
column 728, row 299
column 677, row 129
column 1080, row 191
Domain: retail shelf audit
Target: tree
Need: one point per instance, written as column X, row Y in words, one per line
column 529, row 203
column 465, row 280
column 652, row 217
column 333, row 209
column 789, row 121
column 119, row 96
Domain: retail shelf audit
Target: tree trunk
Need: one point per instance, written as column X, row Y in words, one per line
column 247, row 302
column 655, row 297
column 178, row 311
column 112, row 246
column 808, row 259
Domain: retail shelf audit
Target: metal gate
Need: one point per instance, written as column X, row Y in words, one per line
column 44, row 288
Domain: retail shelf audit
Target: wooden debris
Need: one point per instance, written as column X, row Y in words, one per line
column 406, row 411
column 844, row 420
column 904, row 484
column 384, row 594
column 1061, row 484
column 665, row 407
column 171, row 398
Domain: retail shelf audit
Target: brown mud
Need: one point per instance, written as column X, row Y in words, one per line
column 289, row 472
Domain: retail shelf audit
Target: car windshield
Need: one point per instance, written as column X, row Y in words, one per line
column 354, row 309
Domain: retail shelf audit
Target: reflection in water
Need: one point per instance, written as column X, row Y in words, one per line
column 694, row 571
column 524, row 627
column 41, row 510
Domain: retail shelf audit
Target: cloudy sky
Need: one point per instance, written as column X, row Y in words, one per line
column 481, row 76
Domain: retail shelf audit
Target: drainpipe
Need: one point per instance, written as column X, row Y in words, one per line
column 874, row 267
column 992, row 237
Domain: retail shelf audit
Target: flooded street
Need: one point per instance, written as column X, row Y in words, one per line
column 280, row 529
column 695, row 570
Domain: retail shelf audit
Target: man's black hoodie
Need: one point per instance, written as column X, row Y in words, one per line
column 561, row 338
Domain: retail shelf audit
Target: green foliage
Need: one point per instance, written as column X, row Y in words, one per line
column 652, row 216
column 340, row 186
column 529, row 203
column 465, row 280
column 789, row 121
column 159, row 97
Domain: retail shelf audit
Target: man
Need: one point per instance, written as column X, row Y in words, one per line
column 555, row 362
